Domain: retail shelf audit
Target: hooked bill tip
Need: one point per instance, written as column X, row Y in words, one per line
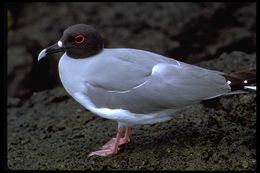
column 250, row 87
column 42, row 54
column 60, row 43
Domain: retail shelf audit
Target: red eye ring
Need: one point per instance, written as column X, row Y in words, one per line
column 79, row 39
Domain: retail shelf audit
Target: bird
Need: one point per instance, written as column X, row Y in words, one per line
column 134, row 86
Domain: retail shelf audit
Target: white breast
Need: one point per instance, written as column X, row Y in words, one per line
column 71, row 72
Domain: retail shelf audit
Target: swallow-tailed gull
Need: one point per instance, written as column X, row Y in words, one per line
column 132, row 86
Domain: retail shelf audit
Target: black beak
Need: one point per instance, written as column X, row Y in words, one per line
column 57, row 47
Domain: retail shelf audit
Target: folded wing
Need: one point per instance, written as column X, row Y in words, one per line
column 147, row 82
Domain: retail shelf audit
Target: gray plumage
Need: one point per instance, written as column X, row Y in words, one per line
column 144, row 82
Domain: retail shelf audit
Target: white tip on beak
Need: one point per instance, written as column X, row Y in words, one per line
column 250, row 87
column 42, row 54
column 59, row 43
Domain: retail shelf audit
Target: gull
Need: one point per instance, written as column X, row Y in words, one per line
column 132, row 86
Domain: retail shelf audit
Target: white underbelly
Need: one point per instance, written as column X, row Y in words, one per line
column 123, row 116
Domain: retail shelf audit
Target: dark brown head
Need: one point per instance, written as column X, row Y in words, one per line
column 78, row 41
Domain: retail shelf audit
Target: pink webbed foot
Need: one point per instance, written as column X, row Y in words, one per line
column 112, row 146
column 110, row 143
column 104, row 152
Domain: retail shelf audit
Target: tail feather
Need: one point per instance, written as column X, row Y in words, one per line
column 241, row 80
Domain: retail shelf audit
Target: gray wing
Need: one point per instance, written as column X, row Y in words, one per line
column 146, row 82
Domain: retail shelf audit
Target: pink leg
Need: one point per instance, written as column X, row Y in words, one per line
column 127, row 135
column 122, row 140
column 112, row 146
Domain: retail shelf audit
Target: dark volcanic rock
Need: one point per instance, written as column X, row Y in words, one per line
column 231, row 62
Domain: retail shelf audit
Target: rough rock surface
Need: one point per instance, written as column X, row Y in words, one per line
column 48, row 130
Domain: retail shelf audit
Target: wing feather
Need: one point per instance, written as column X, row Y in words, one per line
column 162, row 83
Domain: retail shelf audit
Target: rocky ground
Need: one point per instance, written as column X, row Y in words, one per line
column 48, row 130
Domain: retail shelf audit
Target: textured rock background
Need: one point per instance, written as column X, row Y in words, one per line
column 49, row 130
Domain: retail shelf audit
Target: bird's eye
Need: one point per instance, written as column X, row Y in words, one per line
column 79, row 39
